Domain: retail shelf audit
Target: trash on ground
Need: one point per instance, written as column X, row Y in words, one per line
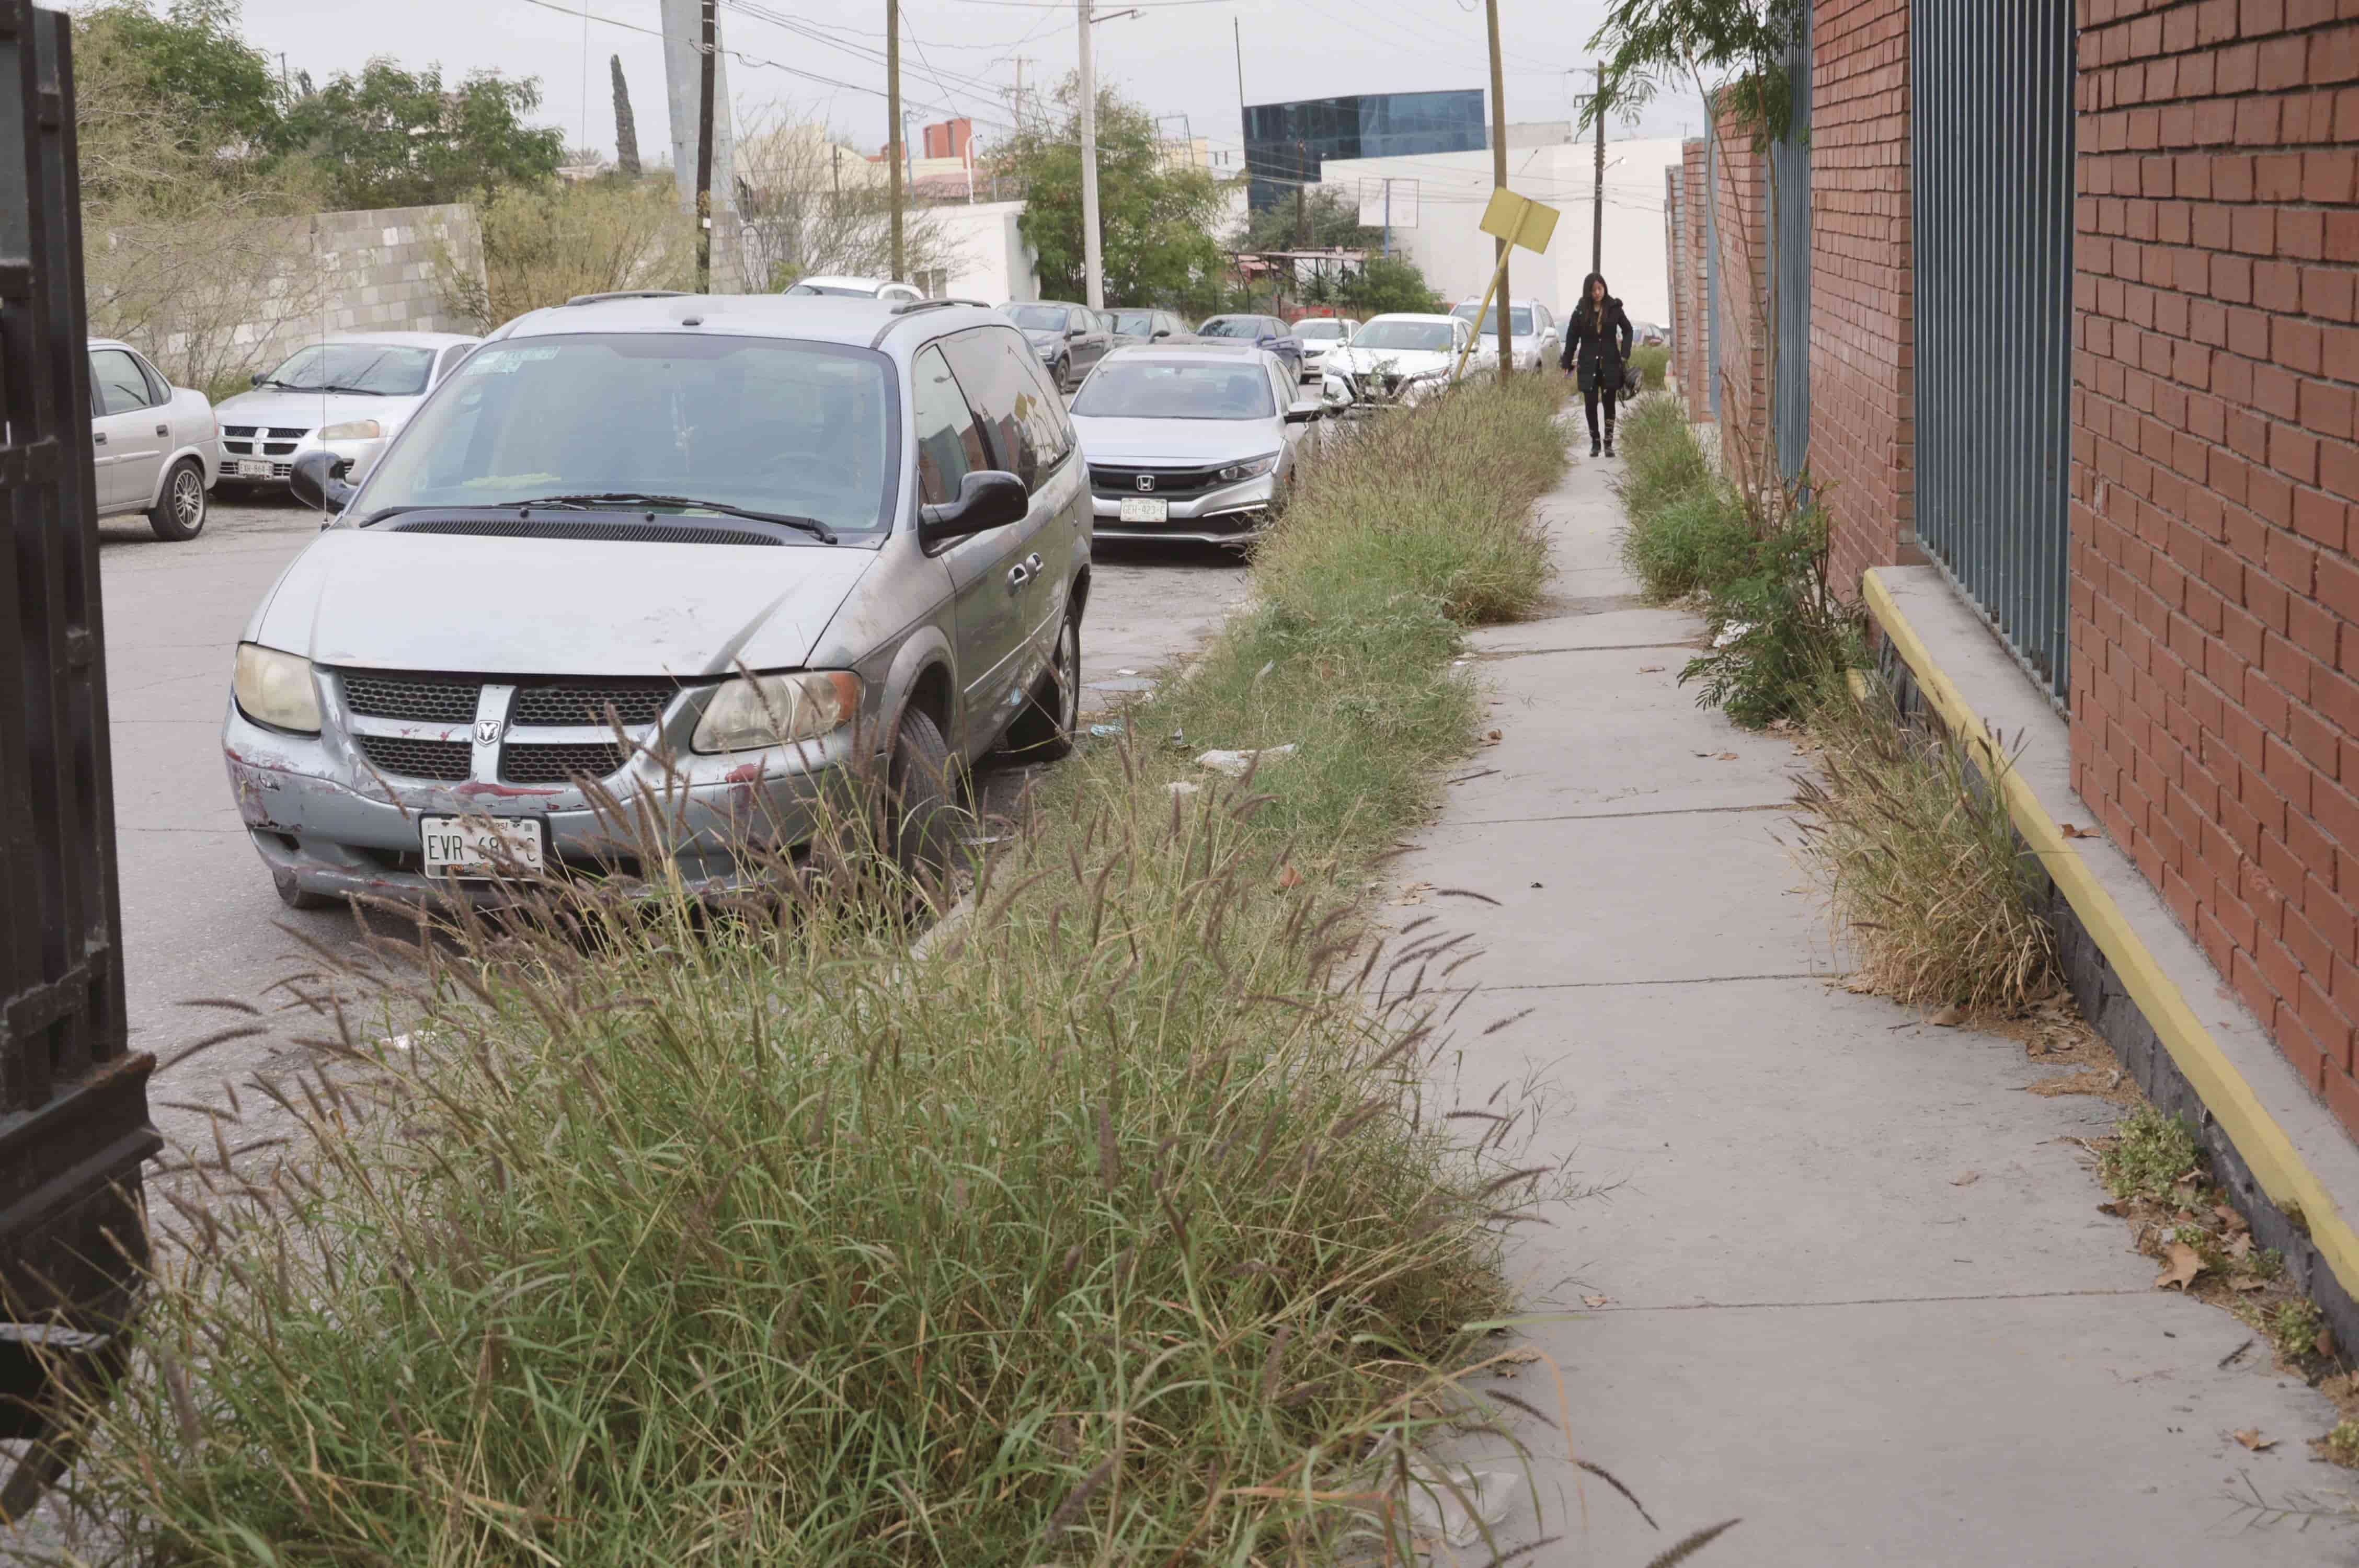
column 1731, row 632
column 1183, row 786
column 1235, row 763
column 2251, row 1438
column 1106, row 732
column 1461, row 1507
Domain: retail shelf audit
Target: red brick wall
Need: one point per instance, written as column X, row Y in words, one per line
column 2215, row 715
column 1740, row 198
column 1690, row 344
column 1862, row 427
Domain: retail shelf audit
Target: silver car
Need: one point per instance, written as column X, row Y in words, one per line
column 155, row 448
column 1533, row 336
column 710, row 556
column 1192, row 441
column 348, row 394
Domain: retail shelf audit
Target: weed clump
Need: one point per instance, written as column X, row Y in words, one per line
column 1909, row 842
column 2293, row 1329
column 2341, row 1446
column 2150, row 1154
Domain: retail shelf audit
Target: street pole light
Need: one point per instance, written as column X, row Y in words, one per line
column 891, row 123
column 1597, row 219
column 712, row 49
column 1499, row 179
column 1092, row 260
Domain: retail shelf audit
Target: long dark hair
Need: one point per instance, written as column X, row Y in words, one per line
column 1588, row 317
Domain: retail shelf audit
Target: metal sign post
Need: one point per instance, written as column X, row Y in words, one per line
column 1517, row 221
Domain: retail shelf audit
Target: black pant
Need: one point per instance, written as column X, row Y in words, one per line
column 1591, row 394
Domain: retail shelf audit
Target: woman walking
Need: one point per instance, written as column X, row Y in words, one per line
column 1596, row 347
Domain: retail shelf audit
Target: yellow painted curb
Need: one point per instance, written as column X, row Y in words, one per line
column 2276, row 1164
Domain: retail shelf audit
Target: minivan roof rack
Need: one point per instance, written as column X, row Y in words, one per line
column 909, row 305
column 628, row 294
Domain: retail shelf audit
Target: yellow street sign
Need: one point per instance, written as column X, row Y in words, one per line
column 1519, row 220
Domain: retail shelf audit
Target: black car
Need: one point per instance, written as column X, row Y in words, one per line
column 1262, row 331
column 1069, row 339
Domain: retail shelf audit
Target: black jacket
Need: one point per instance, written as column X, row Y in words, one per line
column 1598, row 350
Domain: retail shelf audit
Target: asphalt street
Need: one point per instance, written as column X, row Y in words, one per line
column 200, row 920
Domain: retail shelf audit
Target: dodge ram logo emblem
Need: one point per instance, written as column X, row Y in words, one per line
column 487, row 731
column 1146, row 482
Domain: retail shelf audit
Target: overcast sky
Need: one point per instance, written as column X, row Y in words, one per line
column 1179, row 58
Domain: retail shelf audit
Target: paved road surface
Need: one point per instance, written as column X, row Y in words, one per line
column 199, row 917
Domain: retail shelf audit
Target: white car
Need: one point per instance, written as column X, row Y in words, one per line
column 1534, row 334
column 349, row 395
column 1399, row 359
column 1321, row 335
column 155, row 448
column 855, row 288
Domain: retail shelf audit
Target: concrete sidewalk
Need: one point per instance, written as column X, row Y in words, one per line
column 1808, row 1320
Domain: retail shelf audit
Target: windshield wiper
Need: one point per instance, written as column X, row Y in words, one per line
column 811, row 526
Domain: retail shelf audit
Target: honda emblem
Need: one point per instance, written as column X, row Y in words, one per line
column 487, row 731
column 1146, row 482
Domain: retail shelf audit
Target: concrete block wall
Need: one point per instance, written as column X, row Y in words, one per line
column 1863, row 427
column 2216, row 592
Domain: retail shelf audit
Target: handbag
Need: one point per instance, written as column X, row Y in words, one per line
column 1633, row 381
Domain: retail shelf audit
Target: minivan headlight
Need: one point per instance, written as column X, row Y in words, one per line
column 754, row 711
column 353, row 430
column 1252, row 469
column 275, row 688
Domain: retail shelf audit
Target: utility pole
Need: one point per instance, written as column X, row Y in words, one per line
column 1498, row 179
column 1237, row 31
column 711, row 51
column 1301, row 193
column 1019, row 95
column 1597, row 217
column 1092, row 260
column 893, row 121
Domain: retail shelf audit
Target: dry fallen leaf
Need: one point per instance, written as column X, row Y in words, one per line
column 1597, row 1300
column 2115, row 1208
column 2228, row 1218
column 2340, row 1387
column 1650, row 669
column 2249, row 1283
column 1413, row 894
column 1968, row 1180
column 1289, row 878
column 1949, row 1017
column 2072, row 831
column 1727, row 757
column 2251, row 1438
column 2325, row 1345
column 1508, row 1365
column 2240, row 1246
column 2180, row 1264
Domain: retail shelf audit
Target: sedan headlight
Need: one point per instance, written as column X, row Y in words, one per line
column 353, row 430
column 755, row 711
column 1253, row 467
column 275, row 688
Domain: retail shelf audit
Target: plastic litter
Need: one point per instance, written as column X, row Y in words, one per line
column 1435, row 1510
column 1106, row 732
column 1183, row 786
column 1235, row 763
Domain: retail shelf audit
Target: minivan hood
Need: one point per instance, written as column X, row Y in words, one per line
column 311, row 410
column 382, row 599
column 1176, row 441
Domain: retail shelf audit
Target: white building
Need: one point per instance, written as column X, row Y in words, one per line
column 1451, row 189
column 989, row 259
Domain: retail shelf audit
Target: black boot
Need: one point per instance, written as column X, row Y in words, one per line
column 1609, row 441
column 1592, row 443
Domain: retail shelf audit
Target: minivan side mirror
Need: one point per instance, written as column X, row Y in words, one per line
column 313, row 483
column 991, row 498
column 258, row 378
column 1162, row 332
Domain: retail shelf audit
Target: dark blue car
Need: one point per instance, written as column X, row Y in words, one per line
column 1262, row 331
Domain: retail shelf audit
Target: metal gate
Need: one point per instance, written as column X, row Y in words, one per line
column 74, row 1103
column 1992, row 125
column 1790, row 217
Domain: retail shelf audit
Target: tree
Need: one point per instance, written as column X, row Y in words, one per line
column 809, row 202
column 545, row 244
column 1333, row 219
column 186, row 74
column 1155, row 215
column 391, row 137
column 626, row 129
column 1390, row 282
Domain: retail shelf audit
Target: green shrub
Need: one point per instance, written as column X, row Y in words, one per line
column 1780, row 638
column 2149, row 1153
column 1696, row 542
column 1653, row 362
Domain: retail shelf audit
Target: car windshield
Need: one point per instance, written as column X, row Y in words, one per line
column 388, row 369
column 1148, row 389
column 1325, row 331
column 832, row 290
column 1428, row 337
column 1039, row 318
column 1140, row 322
column 790, row 427
column 1233, row 326
column 1520, row 322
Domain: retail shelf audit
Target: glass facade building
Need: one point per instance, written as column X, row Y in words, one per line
column 1287, row 143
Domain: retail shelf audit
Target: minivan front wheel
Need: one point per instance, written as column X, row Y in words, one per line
column 178, row 514
column 921, row 810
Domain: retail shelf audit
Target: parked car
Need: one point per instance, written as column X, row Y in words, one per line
column 1148, row 327
column 1398, row 359
column 1319, row 334
column 1534, row 334
column 854, row 288
column 1069, row 339
column 345, row 395
column 155, row 448
column 1192, row 442
column 784, row 544
column 1263, row 332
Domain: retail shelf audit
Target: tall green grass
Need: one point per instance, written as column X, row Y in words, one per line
column 1117, row 1228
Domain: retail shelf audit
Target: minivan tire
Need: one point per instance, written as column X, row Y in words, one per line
column 1043, row 732
column 178, row 515
column 921, row 810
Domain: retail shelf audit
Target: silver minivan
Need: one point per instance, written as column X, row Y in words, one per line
column 701, row 557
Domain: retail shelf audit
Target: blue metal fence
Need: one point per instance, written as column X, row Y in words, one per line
column 1789, row 304
column 1992, row 129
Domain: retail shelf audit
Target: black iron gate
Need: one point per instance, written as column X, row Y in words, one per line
column 73, row 1102
column 1992, row 125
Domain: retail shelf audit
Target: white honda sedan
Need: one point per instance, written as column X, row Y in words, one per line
column 155, row 449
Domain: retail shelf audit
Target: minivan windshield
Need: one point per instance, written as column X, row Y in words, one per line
column 1146, row 389
column 801, row 429
column 387, row 370
column 1426, row 337
column 1519, row 321
column 1039, row 318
